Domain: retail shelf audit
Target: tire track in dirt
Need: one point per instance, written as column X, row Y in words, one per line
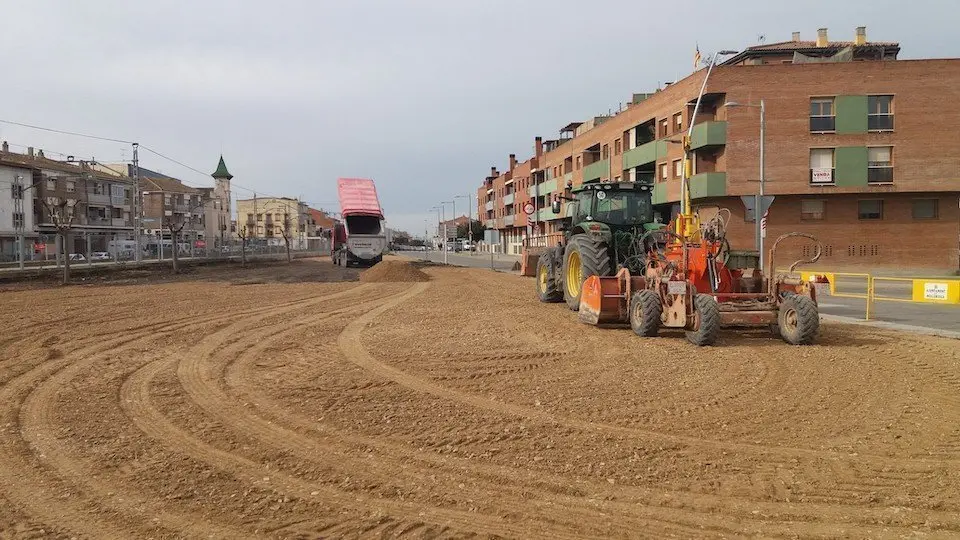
column 36, row 423
column 692, row 519
column 213, row 401
column 351, row 345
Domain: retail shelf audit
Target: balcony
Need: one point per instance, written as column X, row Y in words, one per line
column 508, row 221
column 596, row 170
column 544, row 188
column 119, row 222
column 180, row 208
column 708, row 134
column 97, row 220
column 711, row 184
column 98, row 199
column 489, row 206
column 508, row 199
column 644, row 154
column 490, row 224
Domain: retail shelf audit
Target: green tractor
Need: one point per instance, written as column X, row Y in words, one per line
column 605, row 231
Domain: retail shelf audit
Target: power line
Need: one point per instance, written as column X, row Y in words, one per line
column 152, row 151
column 108, row 139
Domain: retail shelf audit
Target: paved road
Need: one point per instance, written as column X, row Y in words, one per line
column 479, row 260
column 935, row 317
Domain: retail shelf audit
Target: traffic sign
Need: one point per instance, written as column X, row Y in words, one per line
column 529, row 208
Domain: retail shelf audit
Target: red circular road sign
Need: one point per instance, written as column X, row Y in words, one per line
column 529, row 209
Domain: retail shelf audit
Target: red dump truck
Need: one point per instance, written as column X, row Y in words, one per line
column 359, row 236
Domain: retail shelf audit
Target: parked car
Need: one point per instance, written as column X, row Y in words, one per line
column 77, row 257
column 99, row 256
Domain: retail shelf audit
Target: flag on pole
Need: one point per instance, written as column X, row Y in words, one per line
column 696, row 58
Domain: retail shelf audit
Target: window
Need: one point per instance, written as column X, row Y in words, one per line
column 71, row 186
column 677, row 168
column 821, row 165
column 617, row 147
column 678, row 122
column 879, row 164
column 578, row 162
column 16, row 191
column 605, row 152
column 664, row 171
column 259, row 217
column 822, row 115
column 926, row 209
column 98, row 189
column 51, row 183
column 663, row 127
column 812, row 210
column 18, row 222
column 870, row 209
column 880, row 113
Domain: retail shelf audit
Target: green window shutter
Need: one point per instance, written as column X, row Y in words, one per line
column 851, row 166
column 851, row 114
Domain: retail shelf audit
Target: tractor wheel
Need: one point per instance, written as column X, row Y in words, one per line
column 706, row 321
column 582, row 259
column 799, row 320
column 548, row 289
column 645, row 312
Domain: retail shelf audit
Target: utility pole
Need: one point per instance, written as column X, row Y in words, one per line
column 759, row 214
column 18, row 192
column 137, row 201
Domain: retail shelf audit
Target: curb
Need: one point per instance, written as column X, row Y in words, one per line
column 894, row 326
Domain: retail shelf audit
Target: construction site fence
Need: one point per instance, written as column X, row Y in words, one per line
column 918, row 290
column 95, row 249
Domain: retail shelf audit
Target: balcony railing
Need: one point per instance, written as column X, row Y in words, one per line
column 880, row 175
column 880, row 122
column 119, row 222
column 95, row 198
column 820, row 124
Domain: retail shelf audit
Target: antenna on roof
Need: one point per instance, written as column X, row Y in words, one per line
column 761, row 38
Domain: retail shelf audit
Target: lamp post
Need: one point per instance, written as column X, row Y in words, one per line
column 469, row 199
column 446, row 235
column 683, row 224
column 758, row 212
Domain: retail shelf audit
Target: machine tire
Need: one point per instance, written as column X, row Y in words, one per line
column 594, row 260
column 548, row 287
column 707, row 314
column 798, row 319
column 645, row 312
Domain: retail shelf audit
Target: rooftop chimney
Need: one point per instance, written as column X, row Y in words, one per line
column 796, row 36
column 40, row 153
column 30, row 151
column 861, row 38
column 513, row 161
column 6, row 147
column 538, row 146
column 822, row 40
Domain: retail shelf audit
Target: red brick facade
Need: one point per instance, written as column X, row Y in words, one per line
column 924, row 146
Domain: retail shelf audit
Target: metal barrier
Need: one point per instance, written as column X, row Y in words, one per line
column 533, row 246
column 915, row 290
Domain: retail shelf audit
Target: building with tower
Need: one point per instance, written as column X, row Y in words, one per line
column 218, row 212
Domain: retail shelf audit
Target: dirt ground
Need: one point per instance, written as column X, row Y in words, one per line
column 272, row 403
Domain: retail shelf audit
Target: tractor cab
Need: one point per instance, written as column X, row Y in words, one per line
column 608, row 207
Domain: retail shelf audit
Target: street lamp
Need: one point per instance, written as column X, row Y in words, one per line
column 469, row 199
column 445, row 233
column 684, row 224
column 758, row 211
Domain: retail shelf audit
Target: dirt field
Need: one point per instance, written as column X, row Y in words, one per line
column 269, row 403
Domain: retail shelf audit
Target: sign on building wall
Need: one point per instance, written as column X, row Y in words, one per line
column 935, row 291
column 821, row 176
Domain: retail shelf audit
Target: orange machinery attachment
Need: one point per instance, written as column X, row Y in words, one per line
column 606, row 300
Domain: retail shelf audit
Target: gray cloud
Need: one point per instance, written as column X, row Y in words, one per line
column 422, row 95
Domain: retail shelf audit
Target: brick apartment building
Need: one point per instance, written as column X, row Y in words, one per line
column 861, row 151
column 265, row 218
column 101, row 203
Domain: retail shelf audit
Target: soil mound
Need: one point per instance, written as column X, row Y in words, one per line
column 393, row 271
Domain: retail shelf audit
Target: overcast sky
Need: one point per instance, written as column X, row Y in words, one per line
column 423, row 96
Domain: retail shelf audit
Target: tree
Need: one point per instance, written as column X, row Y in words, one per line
column 63, row 215
column 175, row 225
column 476, row 228
column 285, row 232
column 244, row 235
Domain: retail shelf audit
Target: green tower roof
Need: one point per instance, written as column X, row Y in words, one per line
column 222, row 171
